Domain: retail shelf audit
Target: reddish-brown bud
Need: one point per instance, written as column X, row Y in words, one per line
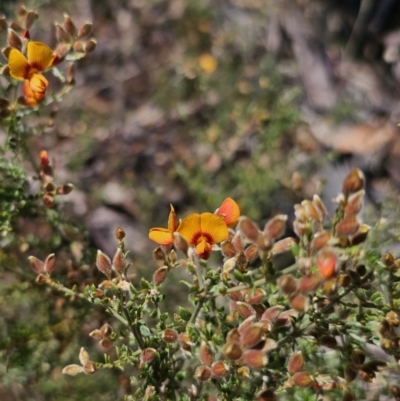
column 296, row 363
column 353, row 182
column 203, row 373
column 85, row 31
column 284, row 245
column 232, row 351
column 36, row 264
column 254, row 296
column 147, row 355
column 254, row 358
column 245, row 310
column 320, row 240
column 118, row 262
column 160, row 275
column 61, row 34
column 228, row 249
column 354, row 203
column 106, row 343
column 30, row 18
column 309, row 283
column 251, row 336
column 319, row 206
column 302, row 379
column 90, row 45
column 205, row 354
column 103, row 263
column 169, row 336
column 248, row 228
column 65, row 189
column 272, row 313
column 276, row 227
column 219, row 369
column 251, row 253
column 49, row 263
column 348, row 226
column 299, row 302
column 89, row 368
column 69, row 26
column 14, row 40
column 287, row 284
column 106, row 330
column 237, row 242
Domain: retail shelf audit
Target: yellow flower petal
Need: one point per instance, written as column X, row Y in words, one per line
column 38, row 83
column 19, row 66
column 230, row 212
column 40, row 56
column 161, row 236
column 190, row 228
column 172, row 220
column 213, row 227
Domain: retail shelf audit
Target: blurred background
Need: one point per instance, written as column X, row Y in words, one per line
column 188, row 102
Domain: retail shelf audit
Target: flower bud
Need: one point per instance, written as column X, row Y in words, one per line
column 62, row 35
column 3, row 23
column 353, row 182
column 41, row 279
column 96, row 334
column 106, row 343
column 14, row 40
column 300, row 303
column 90, row 45
column 72, row 370
column 302, row 379
column 79, row 46
column 287, row 284
column 228, row 249
column 106, row 330
column 244, row 372
column 69, row 26
column 296, row 363
column 350, row 373
column 232, row 351
column 348, row 226
column 205, row 354
column 89, row 368
column 310, row 283
column 147, row 355
column 118, row 262
column 202, row 373
column 49, row 263
column 237, row 242
column 320, row 240
column 219, row 369
column 30, row 18
column 248, row 228
column 251, row 253
column 272, row 313
column 160, row 275
column 169, row 336
column 103, row 263
column 354, row 203
column 254, row 358
column 65, row 189
column 276, row 227
column 36, row 264
column 319, row 206
column 311, row 211
column 254, row 296
column 251, row 336
column 245, row 310
column 284, row 245
column 85, row 31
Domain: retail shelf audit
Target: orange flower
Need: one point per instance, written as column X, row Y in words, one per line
column 203, row 231
column 39, row 58
column 165, row 236
column 229, row 211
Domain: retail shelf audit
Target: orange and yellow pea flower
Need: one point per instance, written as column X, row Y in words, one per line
column 39, row 57
column 202, row 231
column 229, row 211
column 165, row 236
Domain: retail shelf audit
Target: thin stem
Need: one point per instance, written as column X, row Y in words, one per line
column 264, row 280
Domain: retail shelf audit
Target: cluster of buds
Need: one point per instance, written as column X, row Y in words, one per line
column 266, row 240
column 71, row 38
column 358, row 366
column 19, row 29
column 390, row 341
column 46, row 176
column 103, row 335
column 249, row 345
column 209, row 369
column 87, row 366
column 42, row 269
